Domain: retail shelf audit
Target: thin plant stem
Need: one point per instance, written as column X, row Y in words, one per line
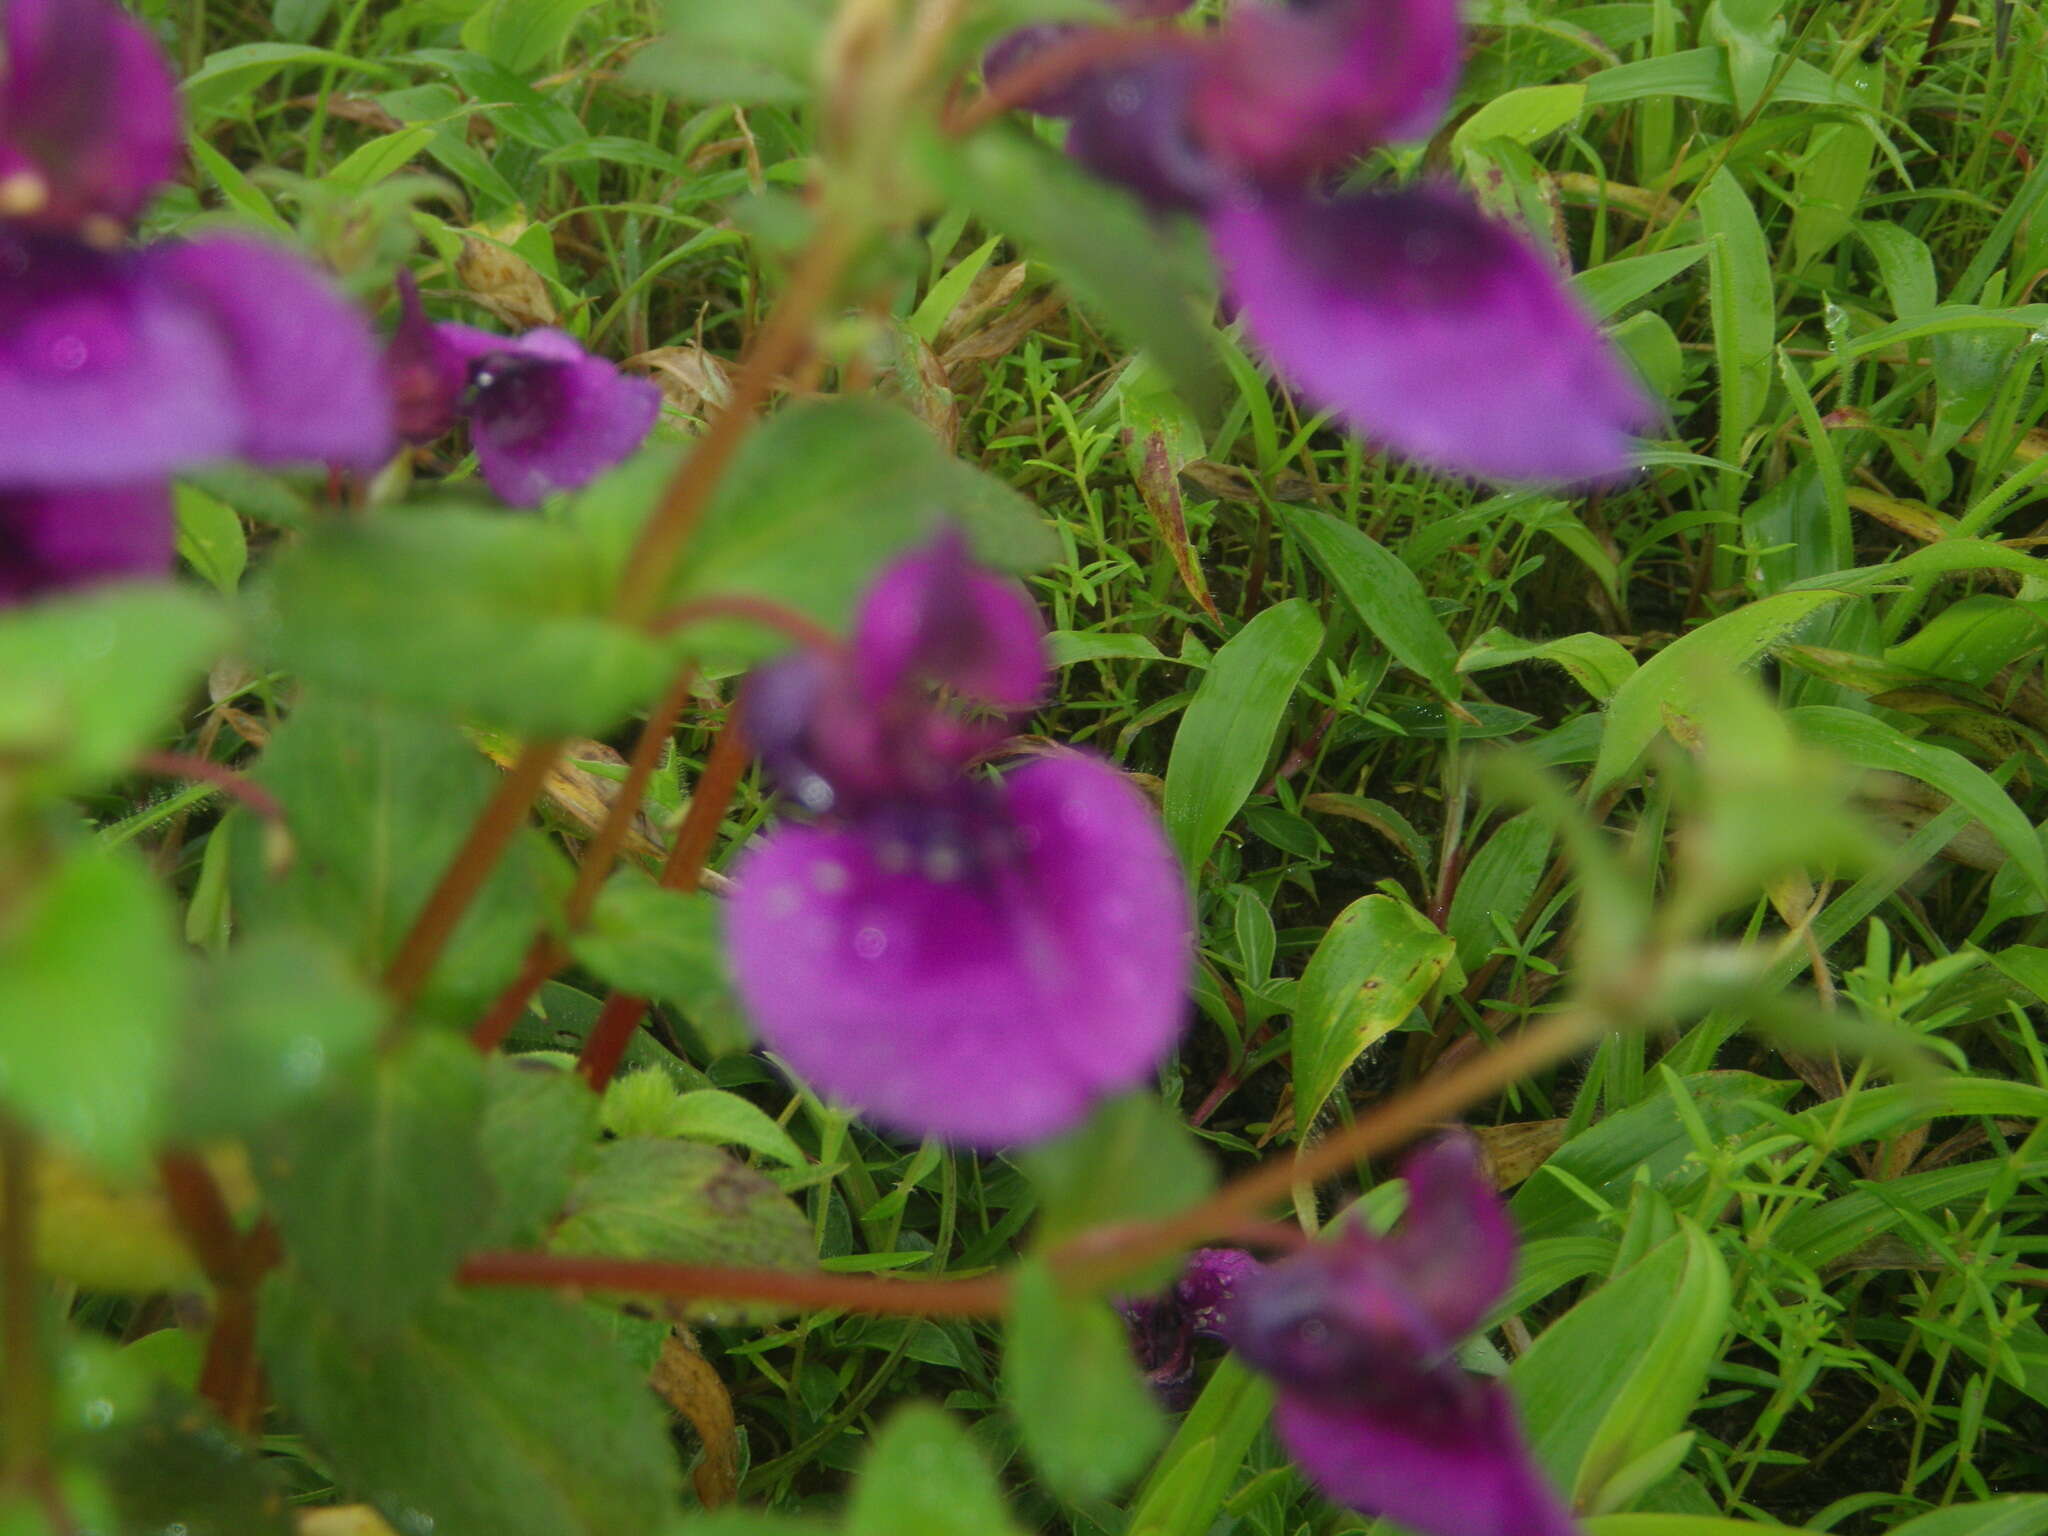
column 24, row 1370
column 234, row 1265
column 182, row 765
column 606, row 1044
column 493, row 829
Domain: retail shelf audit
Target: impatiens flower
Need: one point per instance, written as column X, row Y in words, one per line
column 544, row 415
column 1358, row 1335
column 117, row 366
column 1164, row 1327
column 979, row 959
column 1420, row 322
column 88, row 115
column 50, row 540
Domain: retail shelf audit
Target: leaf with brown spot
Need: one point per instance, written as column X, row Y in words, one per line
column 1515, row 1151
column 1160, row 488
column 690, row 1385
column 504, row 281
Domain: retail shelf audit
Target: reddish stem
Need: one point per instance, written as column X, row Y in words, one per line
column 764, row 611
column 234, row 1264
column 683, row 871
column 468, row 870
column 544, row 957
column 983, row 1296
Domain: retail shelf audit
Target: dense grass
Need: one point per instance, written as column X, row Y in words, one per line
column 1877, row 1369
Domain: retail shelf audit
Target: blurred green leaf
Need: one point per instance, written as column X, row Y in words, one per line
column 925, row 1476
column 1087, row 1419
column 522, row 35
column 1129, row 1161
column 539, row 1122
column 494, row 1411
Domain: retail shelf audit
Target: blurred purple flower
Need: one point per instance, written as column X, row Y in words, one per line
column 1422, row 323
column 544, row 415
column 1164, row 1327
column 972, row 958
column 88, row 115
column 1358, row 1335
column 50, row 540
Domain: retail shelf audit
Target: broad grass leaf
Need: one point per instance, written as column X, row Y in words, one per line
column 1226, row 735
column 505, row 1412
column 925, row 1476
column 1614, row 285
column 1676, row 1525
column 1184, row 1492
column 1620, row 1372
column 1499, row 882
column 1377, row 961
column 1742, row 306
column 521, row 35
column 90, row 984
column 380, row 1185
column 1869, row 742
column 1387, row 596
column 2019, row 1514
column 1597, row 663
column 1087, row 1418
column 1681, row 674
column 1818, row 1235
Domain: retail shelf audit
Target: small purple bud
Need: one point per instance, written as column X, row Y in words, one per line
column 1164, row 1327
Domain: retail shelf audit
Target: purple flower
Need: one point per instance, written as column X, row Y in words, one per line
column 1433, row 329
column 1420, row 322
column 973, row 958
column 88, row 115
column 120, row 366
column 1164, row 1327
column 1358, row 1334
column 50, row 540
column 544, row 415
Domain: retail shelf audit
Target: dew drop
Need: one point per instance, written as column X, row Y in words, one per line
column 869, row 943
column 893, row 856
column 68, row 353
column 784, row 900
column 829, row 877
column 943, row 863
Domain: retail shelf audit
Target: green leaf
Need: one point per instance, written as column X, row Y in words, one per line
column 1226, row 735
column 539, row 1121
column 1120, row 262
column 642, row 1199
column 1829, row 187
column 226, row 77
column 379, row 1187
column 1701, row 74
column 210, row 538
column 1184, row 1492
column 175, row 1469
column 713, row 51
column 722, row 1119
column 1088, row 1421
column 503, row 1412
column 1681, row 674
column 1595, row 662
column 1614, row 285
column 821, row 497
column 1651, row 1135
column 379, row 158
column 1383, row 592
column 925, row 1476
column 1675, row 1525
column 271, row 1023
column 522, row 35
column 1376, row 962
column 1742, row 306
column 2018, row 1514
column 377, row 801
column 86, row 682
column 90, row 975
column 1973, row 639
column 1130, row 1161
column 1869, row 742
column 1620, row 1372
column 656, row 943
column 1500, row 881
column 1526, row 114
column 491, row 616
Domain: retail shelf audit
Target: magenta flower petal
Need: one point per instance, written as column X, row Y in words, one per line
column 546, row 416
column 1455, row 1248
column 426, row 366
column 1434, row 330
column 986, row 987
column 1444, row 1468
column 88, row 114
column 105, row 377
column 1289, row 90
column 307, row 372
column 1133, row 125
column 935, row 617
column 50, row 540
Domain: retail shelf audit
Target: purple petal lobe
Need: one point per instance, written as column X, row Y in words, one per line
column 1132, row 124
column 1454, row 1248
column 106, row 377
column 1452, row 1467
column 1433, row 330
column 935, row 617
column 88, row 114
column 546, row 416
column 310, row 382
column 1292, row 89
column 426, row 366
column 986, row 984
column 50, row 540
